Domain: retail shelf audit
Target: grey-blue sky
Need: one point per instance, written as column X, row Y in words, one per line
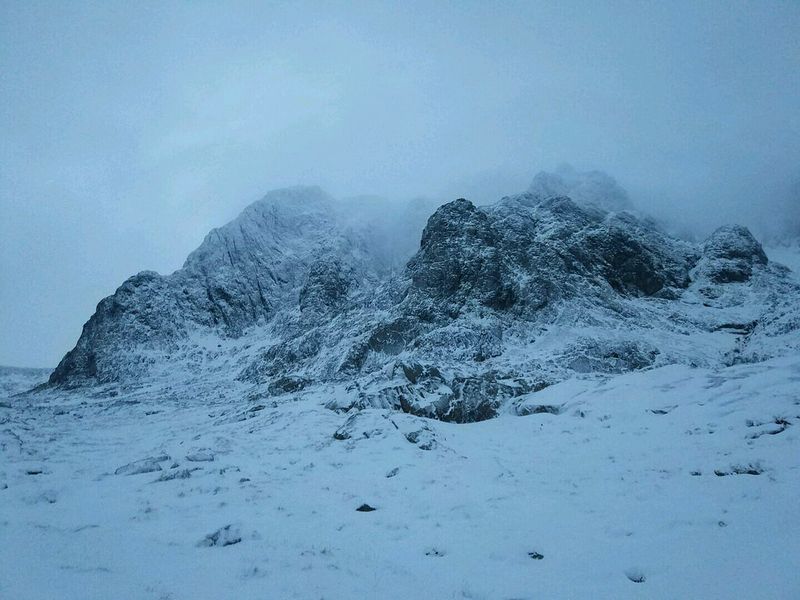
column 130, row 129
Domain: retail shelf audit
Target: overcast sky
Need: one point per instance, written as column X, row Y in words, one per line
column 128, row 130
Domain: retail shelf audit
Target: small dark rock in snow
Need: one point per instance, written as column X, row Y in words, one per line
column 635, row 575
column 393, row 472
column 423, row 438
column 172, row 475
column 536, row 555
column 740, row 470
column 341, row 434
column 413, row 436
column 224, row 536
column 34, row 472
column 365, row 508
column 434, row 552
column 748, row 470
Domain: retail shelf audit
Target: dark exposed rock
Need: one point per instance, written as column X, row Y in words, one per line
column 354, row 359
column 593, row 356
column 423, row 438
column 173, row 475
column 477, row 398
column 365, row 508
column 326, row 286
column 751, row 469
column 413, row 371
column 734, row 242
column 635, row 575
column 537, row 409
column 459, row 260
column 287, row 385
column 391, row 338
column 282, row 357
column 629, row 266
column 224, row 536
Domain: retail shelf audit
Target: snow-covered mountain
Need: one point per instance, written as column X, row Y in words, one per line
column 254, row 424
column 497, row 302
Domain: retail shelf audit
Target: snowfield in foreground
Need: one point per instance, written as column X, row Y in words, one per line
column 668, row 483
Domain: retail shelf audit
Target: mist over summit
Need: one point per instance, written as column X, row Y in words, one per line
column 592, row 188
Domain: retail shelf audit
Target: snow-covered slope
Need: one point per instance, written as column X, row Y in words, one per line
column 675, row 482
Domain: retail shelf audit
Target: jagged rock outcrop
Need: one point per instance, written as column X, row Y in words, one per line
column 497, row 302
column 523, row 254
column 729, row 255
column 461, row 260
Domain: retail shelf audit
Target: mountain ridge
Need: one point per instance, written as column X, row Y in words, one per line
column 497, row 302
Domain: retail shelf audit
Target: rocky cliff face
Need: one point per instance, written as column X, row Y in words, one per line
column 244, row 274
column 496, row 303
